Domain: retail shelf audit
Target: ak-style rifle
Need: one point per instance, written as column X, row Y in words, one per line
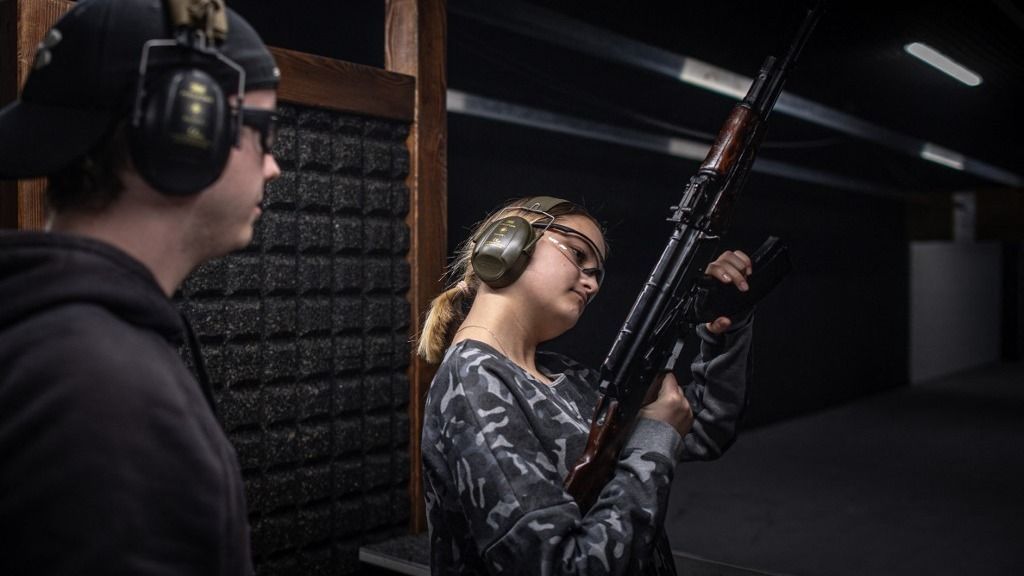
column 674, row 295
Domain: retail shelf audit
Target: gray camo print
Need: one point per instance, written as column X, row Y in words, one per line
column 497, row 445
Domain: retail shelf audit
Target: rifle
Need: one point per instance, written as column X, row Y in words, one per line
column 652, row 336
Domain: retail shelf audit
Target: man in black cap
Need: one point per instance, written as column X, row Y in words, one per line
column 153, row 122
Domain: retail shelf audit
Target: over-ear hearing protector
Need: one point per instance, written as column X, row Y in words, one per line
column 182, row 128
column 502, row 249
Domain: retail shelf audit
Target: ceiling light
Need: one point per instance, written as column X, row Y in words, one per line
column 943, row 63
column 943, row 156
column 714, row 78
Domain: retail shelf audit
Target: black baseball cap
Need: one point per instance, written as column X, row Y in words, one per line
column 84, row 77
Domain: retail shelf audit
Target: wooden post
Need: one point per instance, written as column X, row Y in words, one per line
column 23, row 23
column 415, row 45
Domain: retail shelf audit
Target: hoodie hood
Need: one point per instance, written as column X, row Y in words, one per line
column 40, row 271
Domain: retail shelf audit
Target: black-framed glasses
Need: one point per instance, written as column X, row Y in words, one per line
column 263, row 121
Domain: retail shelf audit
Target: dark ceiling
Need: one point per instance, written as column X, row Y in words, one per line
column 854, row 63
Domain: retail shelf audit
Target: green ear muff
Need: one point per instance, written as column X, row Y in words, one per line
column 502, row 252
column 502, row 249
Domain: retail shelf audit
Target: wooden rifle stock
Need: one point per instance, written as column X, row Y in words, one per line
column 651, row 337
column 582, row 482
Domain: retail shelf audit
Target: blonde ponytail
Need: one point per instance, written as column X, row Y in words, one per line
column 446, row 312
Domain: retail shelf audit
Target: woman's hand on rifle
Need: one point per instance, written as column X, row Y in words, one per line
column 732, row 267
column 669, row 405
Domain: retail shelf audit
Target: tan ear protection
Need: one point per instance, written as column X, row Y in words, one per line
column 502, row 249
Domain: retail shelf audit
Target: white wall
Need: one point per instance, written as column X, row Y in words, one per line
column 955, row 307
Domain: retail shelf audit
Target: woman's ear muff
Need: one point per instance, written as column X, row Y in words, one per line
column 502, row 250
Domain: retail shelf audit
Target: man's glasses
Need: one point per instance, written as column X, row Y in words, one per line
column 263, row 121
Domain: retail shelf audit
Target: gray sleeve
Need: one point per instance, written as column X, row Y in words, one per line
column 718, row 391
column 520, row 517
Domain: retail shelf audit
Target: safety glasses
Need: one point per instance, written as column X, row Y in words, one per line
column 263, row 121
column 574, row 256
column 587, row 260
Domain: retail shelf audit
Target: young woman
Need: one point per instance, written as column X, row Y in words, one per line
column 504, row 422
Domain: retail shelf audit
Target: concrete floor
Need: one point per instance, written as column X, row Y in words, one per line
column 924, row 479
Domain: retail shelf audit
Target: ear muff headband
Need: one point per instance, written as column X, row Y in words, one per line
column 182, row 128
column 502, row 249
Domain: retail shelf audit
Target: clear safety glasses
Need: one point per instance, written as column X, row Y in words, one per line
column 582, row 253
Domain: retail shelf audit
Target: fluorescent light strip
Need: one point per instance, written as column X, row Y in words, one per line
column 714, row 78
column 943, row 156
column 942, row 62
column 481, row 107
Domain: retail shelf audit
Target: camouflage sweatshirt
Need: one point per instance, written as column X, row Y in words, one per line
column 497, row 445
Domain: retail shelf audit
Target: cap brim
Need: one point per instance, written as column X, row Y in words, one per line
column 37, row 139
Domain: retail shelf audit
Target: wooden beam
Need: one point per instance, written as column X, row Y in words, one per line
column 337, row 85
column 8, row 92
column 415, row 36
column 23, row 23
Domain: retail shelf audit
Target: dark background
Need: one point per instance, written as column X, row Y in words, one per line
column 838, row 327
column 842, row 469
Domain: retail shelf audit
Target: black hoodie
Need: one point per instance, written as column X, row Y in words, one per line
column 111, row 460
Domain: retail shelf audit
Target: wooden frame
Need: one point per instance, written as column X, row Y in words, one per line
column 416, row 32
column 23, row 23
column 326, row 83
